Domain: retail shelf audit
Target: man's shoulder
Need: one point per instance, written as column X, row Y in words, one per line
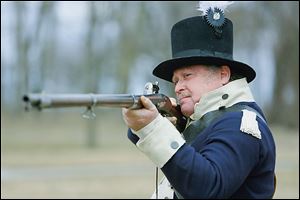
column 241, row 118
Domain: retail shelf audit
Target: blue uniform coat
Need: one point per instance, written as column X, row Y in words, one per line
column 221, row 161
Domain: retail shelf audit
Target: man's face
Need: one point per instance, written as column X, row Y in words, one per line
column 192, row 82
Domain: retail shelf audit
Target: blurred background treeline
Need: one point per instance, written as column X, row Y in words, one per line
column 112, row 47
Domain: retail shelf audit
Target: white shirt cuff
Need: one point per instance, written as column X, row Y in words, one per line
column 159, row 140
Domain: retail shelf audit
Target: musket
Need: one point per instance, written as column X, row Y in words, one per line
column 131, row 101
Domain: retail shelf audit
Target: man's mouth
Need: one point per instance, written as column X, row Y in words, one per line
column 182, row 99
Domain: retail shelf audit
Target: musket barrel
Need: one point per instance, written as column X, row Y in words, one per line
column 41, row 101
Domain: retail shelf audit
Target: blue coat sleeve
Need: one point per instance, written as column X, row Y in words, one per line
column 217, row 163
column 132, row 137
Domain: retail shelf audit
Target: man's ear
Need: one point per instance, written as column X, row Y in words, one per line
column 225, row 74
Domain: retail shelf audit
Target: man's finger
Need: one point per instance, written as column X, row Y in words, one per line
column 173, row 120
column 173, row 101
column 147, row 103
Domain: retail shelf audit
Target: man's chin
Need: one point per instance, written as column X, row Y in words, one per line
column 187, row 110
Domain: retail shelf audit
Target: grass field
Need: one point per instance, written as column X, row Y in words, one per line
column 45, row 155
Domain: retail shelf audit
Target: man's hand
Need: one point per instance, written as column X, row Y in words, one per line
column 138, row 119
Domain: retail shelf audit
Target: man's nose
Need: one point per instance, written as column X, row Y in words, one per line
column 179, row 87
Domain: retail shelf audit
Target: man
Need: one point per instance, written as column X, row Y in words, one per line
column 226, row 149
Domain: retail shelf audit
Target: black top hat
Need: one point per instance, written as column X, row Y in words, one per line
column 197, row 40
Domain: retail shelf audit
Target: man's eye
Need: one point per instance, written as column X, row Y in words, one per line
column 187, row 75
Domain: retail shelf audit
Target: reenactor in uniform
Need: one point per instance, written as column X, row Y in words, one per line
column 227, row 149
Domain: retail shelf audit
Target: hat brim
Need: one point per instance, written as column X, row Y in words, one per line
column 165, row 69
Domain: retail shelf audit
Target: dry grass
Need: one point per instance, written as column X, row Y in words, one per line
column 287, row 162
column 46, row 156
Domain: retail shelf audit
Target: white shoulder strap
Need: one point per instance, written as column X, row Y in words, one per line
column 249, row 124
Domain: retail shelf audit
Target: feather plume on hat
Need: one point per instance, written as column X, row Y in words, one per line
column 204, row 6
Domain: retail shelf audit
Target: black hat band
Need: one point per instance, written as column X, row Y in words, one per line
column 200, row 52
